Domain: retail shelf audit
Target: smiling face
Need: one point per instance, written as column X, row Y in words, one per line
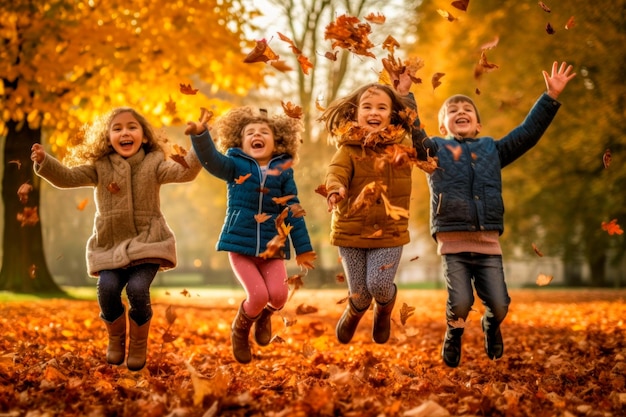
column 374, row 112
column 459, row 119
column 126, row 134
column 258, row 142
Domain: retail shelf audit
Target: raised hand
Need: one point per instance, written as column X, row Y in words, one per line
column 556, row 82
column 37, row 153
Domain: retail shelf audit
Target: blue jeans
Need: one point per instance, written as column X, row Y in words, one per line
column 137, row 280
column 486, row 273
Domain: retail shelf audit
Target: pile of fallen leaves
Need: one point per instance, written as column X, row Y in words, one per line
column 565, row 355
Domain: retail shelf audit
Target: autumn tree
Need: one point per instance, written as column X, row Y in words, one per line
column 65, row 61
column 559, row 194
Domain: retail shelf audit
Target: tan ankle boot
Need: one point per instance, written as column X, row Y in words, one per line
column 138, row 345
column 263, row 326
column 117, row 340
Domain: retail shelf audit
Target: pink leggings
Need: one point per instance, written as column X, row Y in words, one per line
column 264, row 280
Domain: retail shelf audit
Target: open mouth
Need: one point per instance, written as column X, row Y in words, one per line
column 126, row 143
column 257, row 144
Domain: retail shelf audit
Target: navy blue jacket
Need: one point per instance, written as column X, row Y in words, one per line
column 241, row 233
column 466, row 194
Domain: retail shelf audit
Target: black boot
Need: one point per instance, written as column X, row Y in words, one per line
column 348, row 322
column 263, row 326
column 451, row 350
column 382, row 319
column 494, row 345
column 239, row 336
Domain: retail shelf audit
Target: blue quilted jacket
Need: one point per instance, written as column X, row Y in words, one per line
column 466, row 193
column 241, row 233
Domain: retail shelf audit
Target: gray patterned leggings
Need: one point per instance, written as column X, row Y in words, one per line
column 370, row 274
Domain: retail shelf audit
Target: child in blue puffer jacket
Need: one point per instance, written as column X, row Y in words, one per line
column 263, row 213
column 467, row 211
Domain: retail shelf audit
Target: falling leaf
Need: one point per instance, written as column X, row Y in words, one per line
column 536, row 249
column 185, row 293
column 348, row 32
column 262, row 217
column 405, row 312
column 543, row 279
column 340, row 278
column 187, row 89
column 376, row 18
column 483, row 66
column 178, row 155
column 170, row 107
column 549, row 29
column 242, row 178
column 446, row 15
column 390, row 44
column 170, row 314
column 297, row 210
column 544, row 7
column 281, row 65
column 331, row 55
column 214, row 387
column 81, row 206
column 460, row 4
column 570, row 23
column 490, row 45
column 318, row 103
column 415, row 258
column 456, row 151
column 292, row 110
column 291, row 43
column 261, row 53
column 283, row 200
column 607, row 158
column 435, row 80
column 612, row 228
column 32, row 271
column 113, row 188
column 23, row 192
column 28, row 216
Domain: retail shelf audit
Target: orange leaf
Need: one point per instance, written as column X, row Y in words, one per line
column 187, row 89
column 170, row 107
column 612, row 228
column 261, row 217
column 483, row 66
column 435, row 80
column 23, row 191
column 376, row 18
column 281, row 66
column 543, row 279
column 28, row 216
column 81, row 206
column 570, row 23
column 297, row 210
column 544, row 7
column 242, row 178
column 292, row 110
column 537, row 251
column 446, row 15
column 348, row 32
column 293, row 46
column 179, row 155
column 305, row 64
column 321, row 190
column 283, row 200
column 456, row 151
column 261, row 53
column 113, row 188
column 331, row 55
column 405, row 312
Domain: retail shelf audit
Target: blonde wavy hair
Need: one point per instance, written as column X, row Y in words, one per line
column 93, row 141
column 287, row 130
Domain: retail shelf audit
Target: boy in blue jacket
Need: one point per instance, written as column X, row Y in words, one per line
column 467, row 210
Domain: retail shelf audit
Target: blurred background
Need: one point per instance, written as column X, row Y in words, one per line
column 63, row 62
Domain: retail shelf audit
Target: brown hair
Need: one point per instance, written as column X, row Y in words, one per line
column 457, row 98
column 93, row 141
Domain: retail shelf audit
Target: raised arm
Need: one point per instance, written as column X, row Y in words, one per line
column 556, row 82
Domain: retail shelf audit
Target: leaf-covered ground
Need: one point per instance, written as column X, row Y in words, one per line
column 565, row 355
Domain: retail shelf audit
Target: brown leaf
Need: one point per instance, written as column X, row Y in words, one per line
column 435, row 80
column 261, row 53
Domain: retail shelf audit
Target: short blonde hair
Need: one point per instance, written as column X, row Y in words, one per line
column 457, row 98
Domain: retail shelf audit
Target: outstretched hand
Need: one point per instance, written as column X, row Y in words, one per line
column 37, row 153
column 334, row 198
column 556, row 82
column 197, row 128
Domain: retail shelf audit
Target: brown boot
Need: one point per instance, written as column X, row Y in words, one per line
column 239, row 335
column 263, row 326
column 382, row 319
column 117, row 340
column 348, row 322
column 138, row 345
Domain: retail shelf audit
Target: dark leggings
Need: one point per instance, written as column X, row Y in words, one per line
column 137, row 280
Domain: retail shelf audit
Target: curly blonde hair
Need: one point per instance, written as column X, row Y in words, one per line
column 287, row 130
column 93, row 141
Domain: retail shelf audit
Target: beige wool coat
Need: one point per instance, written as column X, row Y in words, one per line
column 354, row 166
column 129, row 227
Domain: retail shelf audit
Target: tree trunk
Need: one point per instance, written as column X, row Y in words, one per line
column 24, row 267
